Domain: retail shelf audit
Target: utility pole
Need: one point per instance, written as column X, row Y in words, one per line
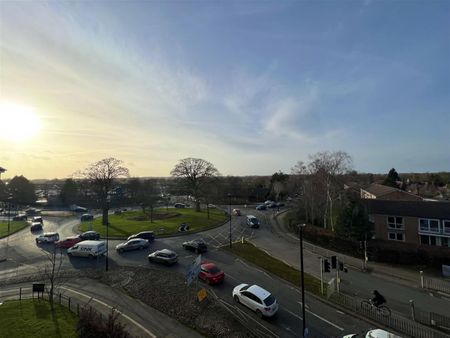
column 337, row 276
column 321, row 274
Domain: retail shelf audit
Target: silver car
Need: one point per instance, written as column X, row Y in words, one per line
column 132, row 244
column 165, row 256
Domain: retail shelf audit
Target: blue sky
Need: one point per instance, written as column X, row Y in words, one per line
column 251, row 86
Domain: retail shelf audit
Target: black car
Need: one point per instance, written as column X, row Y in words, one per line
column 87, row 217
column 148, row 235
column 196, row 245
column 90, row 236
column 20, row 218
column 36, row 226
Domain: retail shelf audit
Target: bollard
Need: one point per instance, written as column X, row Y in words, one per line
column 421, row 278
column 413, row 315
column 242, row 240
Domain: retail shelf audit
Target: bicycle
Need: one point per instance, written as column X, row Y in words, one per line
column 381, row 309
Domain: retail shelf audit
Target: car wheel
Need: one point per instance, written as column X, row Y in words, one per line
column 236, row 299
column 121, row 251
column 69, row 254
column 37, row 242
column 259, row 314
column 91, row 256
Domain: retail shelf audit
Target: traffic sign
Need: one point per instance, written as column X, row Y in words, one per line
column 201, row 294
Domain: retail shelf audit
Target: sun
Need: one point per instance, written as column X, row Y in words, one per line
column 18, row 123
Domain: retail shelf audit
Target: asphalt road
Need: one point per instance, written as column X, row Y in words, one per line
column 322, row 320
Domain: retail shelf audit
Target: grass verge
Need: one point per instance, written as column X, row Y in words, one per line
column 252, row 254
column 13, row 227
column 33, row 318
column 164, row 223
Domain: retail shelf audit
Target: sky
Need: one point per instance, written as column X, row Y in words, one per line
column 251, row 86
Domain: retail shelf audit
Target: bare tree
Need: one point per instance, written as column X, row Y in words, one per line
column 51, row 272
column 195, row 172
column 101, row 176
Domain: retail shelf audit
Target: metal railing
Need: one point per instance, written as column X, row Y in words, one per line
column 435, row 284
column 394, row 320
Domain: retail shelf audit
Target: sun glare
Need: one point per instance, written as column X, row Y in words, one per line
column 18, row 123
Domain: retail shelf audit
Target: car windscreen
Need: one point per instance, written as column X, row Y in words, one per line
column 214, row 270
column 269, row 300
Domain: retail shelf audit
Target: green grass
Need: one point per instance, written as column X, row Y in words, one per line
column 14, row 227
column 126, row 224
column 33, row 318
column 252, row 254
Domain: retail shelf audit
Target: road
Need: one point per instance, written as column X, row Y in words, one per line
column 322, row 320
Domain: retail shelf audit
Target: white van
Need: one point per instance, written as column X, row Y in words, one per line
column 89, row 249
column 48, row 237
column 252, row 221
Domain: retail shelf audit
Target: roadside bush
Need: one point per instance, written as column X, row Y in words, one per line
column 93, row 325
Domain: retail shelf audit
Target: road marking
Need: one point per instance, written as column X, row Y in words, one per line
column 267, row 275
column 340, row 312
column 306, row 306
column 326, row 321
column 230, row 276
column 110, row 307
column 292, row 313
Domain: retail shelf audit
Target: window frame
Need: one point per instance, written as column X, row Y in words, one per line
column 428, row 230
column 446, row 224
column 396, row 236
column 395, row 224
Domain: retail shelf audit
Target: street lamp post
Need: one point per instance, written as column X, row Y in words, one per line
column 9, row 225
column 301, row 226
column 229, row 210
column 107, row 233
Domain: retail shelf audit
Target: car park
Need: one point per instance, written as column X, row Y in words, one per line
column 132, row 244
column 236, row 212
column 47, row 237
column 164, row 256
column 36, row 226
column 252, row 221
column 90, row 235
column 20, row 217
column 88, row 248
column 196, row 245
column 256, row 298
column 68, row 242
column 148, row 235
column 38, row 219
column 261, row 207
column 87, row 217
column 179, row 205
column 210, row 273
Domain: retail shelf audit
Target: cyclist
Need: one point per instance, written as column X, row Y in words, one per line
column 378, row 299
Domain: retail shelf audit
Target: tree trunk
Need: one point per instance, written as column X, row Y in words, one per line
column 197, row 205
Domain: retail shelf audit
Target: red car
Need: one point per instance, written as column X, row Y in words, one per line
column 68, row 242
column 211, row 274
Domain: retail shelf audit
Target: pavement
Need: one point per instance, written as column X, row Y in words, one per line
column 399, row 286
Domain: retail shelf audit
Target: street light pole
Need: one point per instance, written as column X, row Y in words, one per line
column 229, row 210
column 107, row 234
column 301, row 226
column 9, row 225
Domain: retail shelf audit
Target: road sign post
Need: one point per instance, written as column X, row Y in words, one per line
column 321, row 275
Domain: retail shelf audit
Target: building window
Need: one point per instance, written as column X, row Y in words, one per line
column 396, row 236
column 424, row 239
column 445, row 241
column 429, row 225
column 446, row 227
column 395, row 222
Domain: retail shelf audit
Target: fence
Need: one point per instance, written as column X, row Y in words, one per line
column 435, row 284
column 394, row 321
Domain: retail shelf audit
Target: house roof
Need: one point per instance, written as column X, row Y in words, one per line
column 379, row 189
column 426, row 209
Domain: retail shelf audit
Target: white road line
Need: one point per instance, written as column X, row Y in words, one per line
column 340, row 312
column 326, row 321
column 267, row 275
column 292, row 313
column 307, row 307
column 229, row 276
column 110, row 307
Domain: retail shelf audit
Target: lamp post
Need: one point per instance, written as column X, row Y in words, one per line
column 108, row 199
column 229, row 210
column 301, row 226
column 9, row 225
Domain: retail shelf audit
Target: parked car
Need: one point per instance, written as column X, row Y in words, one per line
column 36, row 226
column 271, row 205
column 196, row 245
column 118, row 212
column 148, row 235
column 179, row 205
column 89, row 249
column 236, row 212
column 261, row 207
column 47, row 237
column 77, row 208
column 252, row 221
column 164, row 256
column 90, row 235
column 132, row 244
column 211, row 274
column 280, row 204
column 268, row 202
column 38, row 219
column 256, row 298
column 68, row 242
column 20, row 217
column 87, row 217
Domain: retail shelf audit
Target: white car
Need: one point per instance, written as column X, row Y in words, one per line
column 377, row 333
column 256, row 298
column 48, row 237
